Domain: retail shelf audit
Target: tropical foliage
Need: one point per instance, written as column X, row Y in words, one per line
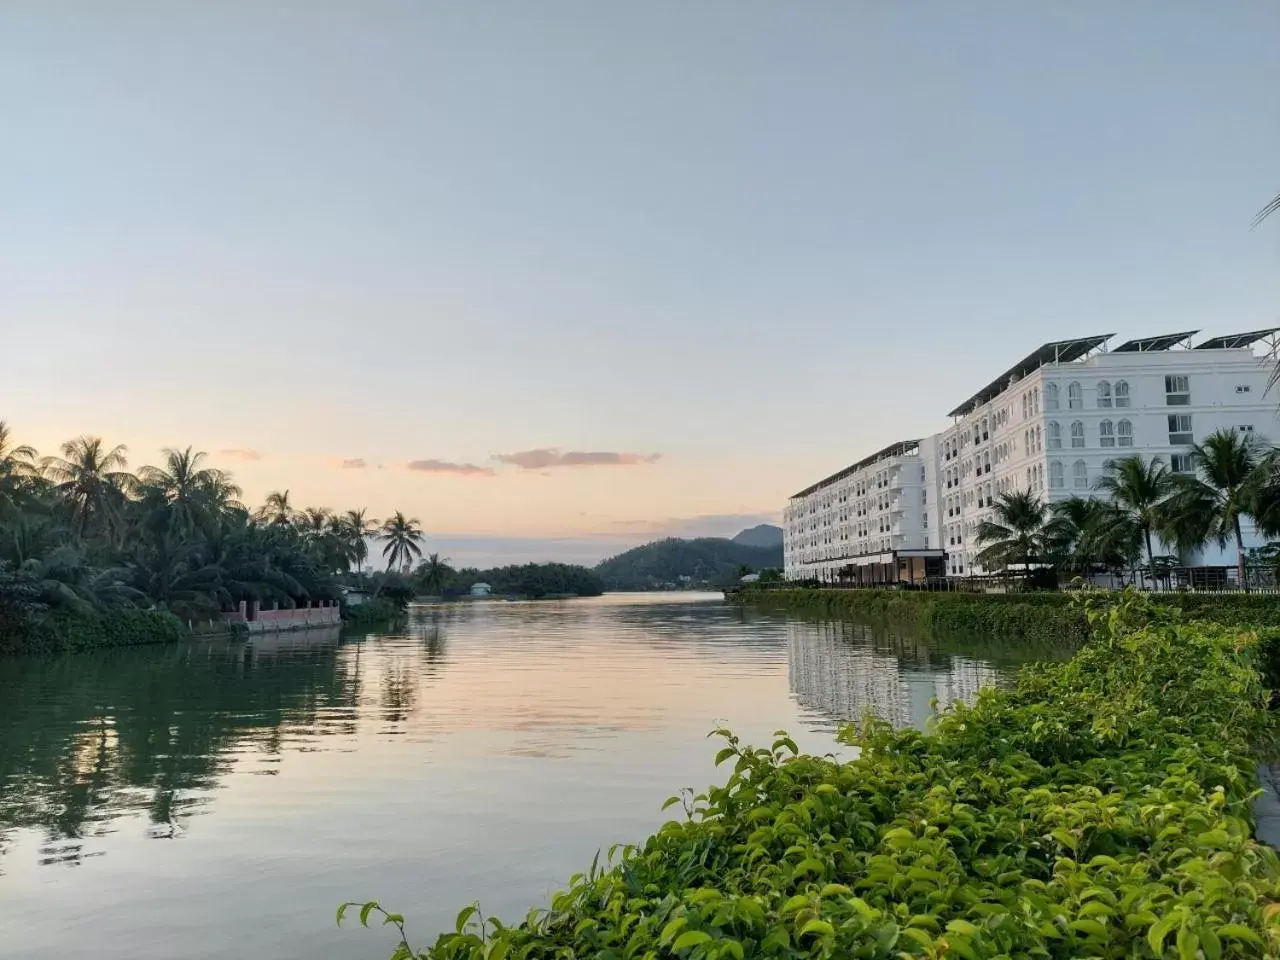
column 1101, row 808
column 434, row 577
column 675, row 562
column 80, row 534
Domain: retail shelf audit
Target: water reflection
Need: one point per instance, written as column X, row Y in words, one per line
column 486, row 751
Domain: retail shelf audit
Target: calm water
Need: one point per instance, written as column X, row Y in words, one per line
column 219, row 800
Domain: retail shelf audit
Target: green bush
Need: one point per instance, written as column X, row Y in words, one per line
column 1101, row 808
column 371, row 613
column 64, row 631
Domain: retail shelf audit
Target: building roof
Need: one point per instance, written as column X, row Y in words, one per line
column 901, row 448
column 1233, row 340
column 1056, row 351
column 1152, row 344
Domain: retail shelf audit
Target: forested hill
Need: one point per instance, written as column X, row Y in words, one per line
column 705, row 561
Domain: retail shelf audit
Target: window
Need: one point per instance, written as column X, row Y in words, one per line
column 1051, row 396
column 1039, row 440
column 1075, row 397
column 1055, row 475
column 985, row 428
column 1182, row 463
column 1122, row 393
column 1026, row 405
column 990, row 501
column 1245, row 428
column 986, row 463
column 1106, row 434
column 1080, row 475
column 1035, row 400
column 1177, row 391
column 1125, row 431
column 1055, row 435
column 1077, row 434
column 1180, row 430
column 1242, row 388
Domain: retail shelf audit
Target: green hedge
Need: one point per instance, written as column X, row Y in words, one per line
column 371, row 613
column 1042, row 618
column 1101, row 808
column 64, row 632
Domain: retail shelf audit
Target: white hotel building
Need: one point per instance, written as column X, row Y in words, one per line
column 1048, row 424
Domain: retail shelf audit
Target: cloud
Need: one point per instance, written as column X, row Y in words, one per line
column 545, row 457
column 354, row 463
column 240, row 454
column 447, row 466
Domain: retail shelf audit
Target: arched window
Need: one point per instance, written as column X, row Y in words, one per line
column 1122, row 393
column 1051, row 396
column 1075, row 396
column 1035, row 400
column 1080, row 475
column 1106, row 434
column 1124, row 430
column 990, row 501
column 1077, row 434
column 1039, row 439
column 986, row 463
column 1104, row 393
column 986, row 428
column 1055, row 435
column 1055, row 476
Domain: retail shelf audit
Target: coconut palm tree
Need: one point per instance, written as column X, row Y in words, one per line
column 276, row 509
column 434, row 573
column 91, row 478
column 1230, row 476
column 1016, row 533
column 403, row 536
column 191, row 491
column 358, row 527
column 1138, row 489
column 18, row 464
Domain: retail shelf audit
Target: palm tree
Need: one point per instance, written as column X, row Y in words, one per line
column 191, row 490
column 1017, row 533
column 1231, row 474
column 17, row 464
column 91, row 478
column 403, row 536
column 277, row 509
column 435, row 572
column 1138, row 489
column 358, row 528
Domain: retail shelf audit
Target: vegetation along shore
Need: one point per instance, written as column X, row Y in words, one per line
column 92, row 554
column 1100, row 807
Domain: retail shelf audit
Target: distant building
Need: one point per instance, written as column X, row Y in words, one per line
column 750, row 578
column 1048, row 424
column 481, row 589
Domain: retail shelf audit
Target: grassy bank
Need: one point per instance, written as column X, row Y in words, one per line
column 1048, row 618
column 65, row 631
column 1100, row 808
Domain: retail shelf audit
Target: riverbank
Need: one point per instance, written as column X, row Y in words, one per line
column 1042, row 618
column 68, row 632
column 1101, row 807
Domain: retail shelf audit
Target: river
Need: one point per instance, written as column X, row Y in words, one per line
column 218, row 800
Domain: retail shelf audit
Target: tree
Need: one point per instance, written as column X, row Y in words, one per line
column 358, row 528
column 190, row 490
column 1138, row 489
column 435, row 573
column 17, row 465
column 276, row 509
column 91, row 478
column 1017, row 532
column 403, row 536
column 1206, row 506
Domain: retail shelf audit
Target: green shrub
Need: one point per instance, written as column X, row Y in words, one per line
column 64, row 631
column 1101, row 808
column 372, row 612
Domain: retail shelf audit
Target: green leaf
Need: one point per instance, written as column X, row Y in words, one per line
column 1210, row 944
column 342, row 909
column 367, row 909
column 963, row 927
column 835, row 890
column 1188, row 944
column 1090, row 928
column 465, row 914
column 1238, row 931
column 498, row 949
column 690, row 939
column 672, row 928
column 725, row 754
column 670, row 802
column 733, row 948
column 799, row 901
column 1157, row 933
column 818, row 928
column 809, row 866
column 918, row 935
column 392, row 918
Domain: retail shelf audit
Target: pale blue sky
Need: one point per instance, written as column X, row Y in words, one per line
column 758, row 239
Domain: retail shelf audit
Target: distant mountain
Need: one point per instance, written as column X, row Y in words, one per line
column 763, row 535
column 706, row 561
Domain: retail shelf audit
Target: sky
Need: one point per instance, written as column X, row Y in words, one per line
column 557, row 278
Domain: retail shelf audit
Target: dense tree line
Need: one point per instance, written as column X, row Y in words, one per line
column 435, row 577
column 677, row 562
column 81, row 534
column 1141, row 504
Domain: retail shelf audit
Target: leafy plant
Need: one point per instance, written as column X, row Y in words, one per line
column 1100, row 808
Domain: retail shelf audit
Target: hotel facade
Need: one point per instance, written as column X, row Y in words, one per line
column 1048, row 424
